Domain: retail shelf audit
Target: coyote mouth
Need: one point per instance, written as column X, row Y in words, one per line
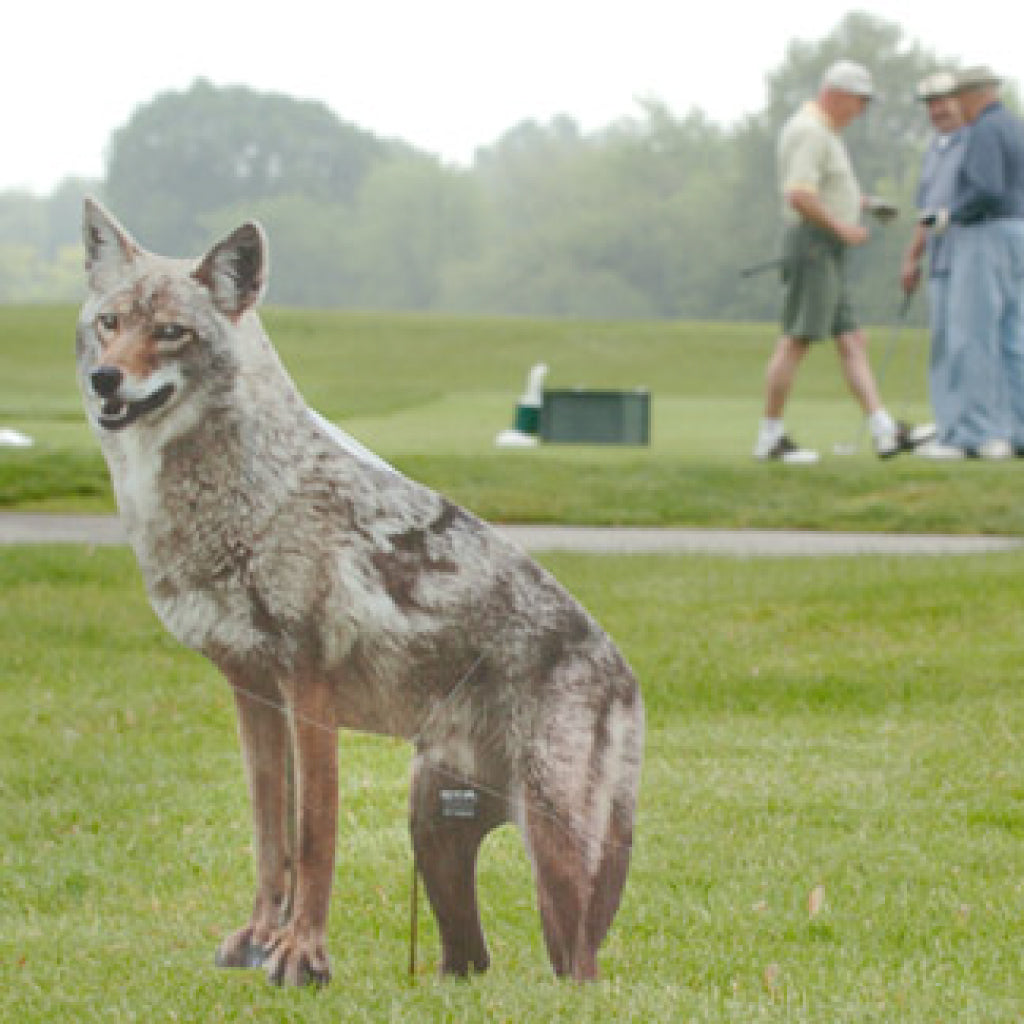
column 116, row 415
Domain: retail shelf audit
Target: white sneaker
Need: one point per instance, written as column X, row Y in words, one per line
column 940, row 452
column 903, row 438
column 786, row 450
column 995, row 451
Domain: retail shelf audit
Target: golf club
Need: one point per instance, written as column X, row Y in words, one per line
column 760, row 268
column 882, row 210
column 853, row 446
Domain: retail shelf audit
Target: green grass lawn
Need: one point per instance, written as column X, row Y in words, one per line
column 430, row 394
column 844, row 727
column 835, row 735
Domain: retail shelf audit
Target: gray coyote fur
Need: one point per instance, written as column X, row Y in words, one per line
column 333, row 592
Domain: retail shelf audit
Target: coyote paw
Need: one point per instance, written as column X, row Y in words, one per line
column 241, row 949
column 294, row 959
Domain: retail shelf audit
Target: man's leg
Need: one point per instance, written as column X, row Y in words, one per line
column 780, row 374
column 942, row 395
column 811, row 287
column 772, row 441
column 975, row 368
column 1012, row 340
column 890, row 437
column 852, row 349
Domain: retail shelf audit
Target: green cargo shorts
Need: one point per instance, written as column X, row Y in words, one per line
column 815, row 304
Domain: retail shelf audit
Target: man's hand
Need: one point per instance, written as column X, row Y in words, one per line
column 935, row 220
column 853, row 234
column 910, row 276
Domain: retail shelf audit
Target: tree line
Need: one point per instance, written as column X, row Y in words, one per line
column 652, row 217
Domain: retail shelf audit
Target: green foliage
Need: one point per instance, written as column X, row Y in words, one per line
column 187, row 154
column 25, row 276
column 649, row 218
column 47, row 225
column 306, row 233
column 40, row 253
column 600, row 227
column 413, row 218
column 833, row 727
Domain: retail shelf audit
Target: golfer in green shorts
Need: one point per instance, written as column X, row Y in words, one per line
column 822, row 206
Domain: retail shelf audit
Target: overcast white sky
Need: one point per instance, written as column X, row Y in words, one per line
column 445, row 75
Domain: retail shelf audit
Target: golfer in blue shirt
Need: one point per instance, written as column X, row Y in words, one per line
column 986, row 301
column 935, row 191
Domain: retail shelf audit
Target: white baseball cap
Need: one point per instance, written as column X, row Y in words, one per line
column 849, row 76
column 936, row 86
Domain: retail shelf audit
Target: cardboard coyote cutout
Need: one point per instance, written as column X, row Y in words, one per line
column 332, row 591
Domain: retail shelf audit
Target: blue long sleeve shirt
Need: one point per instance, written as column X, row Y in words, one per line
column 936, row 189
column 990, row 183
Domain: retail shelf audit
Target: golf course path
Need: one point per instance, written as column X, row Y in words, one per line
column 27, row 528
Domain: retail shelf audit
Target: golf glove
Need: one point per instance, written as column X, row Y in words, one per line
column 881, row 209
column 935, row 220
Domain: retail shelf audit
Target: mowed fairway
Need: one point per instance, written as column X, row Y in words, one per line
column 445, row 386
column 430, row 393
column 832, row 811
column 831, row 825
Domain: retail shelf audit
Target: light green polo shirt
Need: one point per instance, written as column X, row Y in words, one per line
column 812, row 157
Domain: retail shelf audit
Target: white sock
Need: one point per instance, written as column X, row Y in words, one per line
column 770, row 431
column 880, row 422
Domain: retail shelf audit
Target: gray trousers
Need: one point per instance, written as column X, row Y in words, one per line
column 940, row 390
column 986, row 332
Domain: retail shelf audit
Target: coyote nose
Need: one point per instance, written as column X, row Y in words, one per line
column 106, row 380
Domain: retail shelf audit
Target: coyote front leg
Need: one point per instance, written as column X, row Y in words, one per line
column 266, row 749
column 298, row 953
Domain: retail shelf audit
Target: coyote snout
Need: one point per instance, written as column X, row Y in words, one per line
column 332, row 591
column 122, row 405
column 106, row 380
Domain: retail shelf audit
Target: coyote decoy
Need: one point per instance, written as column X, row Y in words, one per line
column 332, row 591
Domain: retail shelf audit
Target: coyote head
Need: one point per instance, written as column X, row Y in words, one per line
column 153, row 329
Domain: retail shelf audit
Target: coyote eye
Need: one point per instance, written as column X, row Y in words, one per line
column 170, row 332
column 108, row 321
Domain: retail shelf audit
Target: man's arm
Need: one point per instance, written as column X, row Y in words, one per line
column 810, row 207
column 910, row 271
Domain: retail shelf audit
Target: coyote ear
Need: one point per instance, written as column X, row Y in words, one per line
column 109, row 249
column 235, row 270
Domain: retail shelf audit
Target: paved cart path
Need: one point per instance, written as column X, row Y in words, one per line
column 26, row 528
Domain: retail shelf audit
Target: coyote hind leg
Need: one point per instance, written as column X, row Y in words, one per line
column 449, row 820
column 577, row 898
column 560, row 877
column 609, row 879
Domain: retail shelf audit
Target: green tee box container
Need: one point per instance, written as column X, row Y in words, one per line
column 527, row 418
column 584, row 416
